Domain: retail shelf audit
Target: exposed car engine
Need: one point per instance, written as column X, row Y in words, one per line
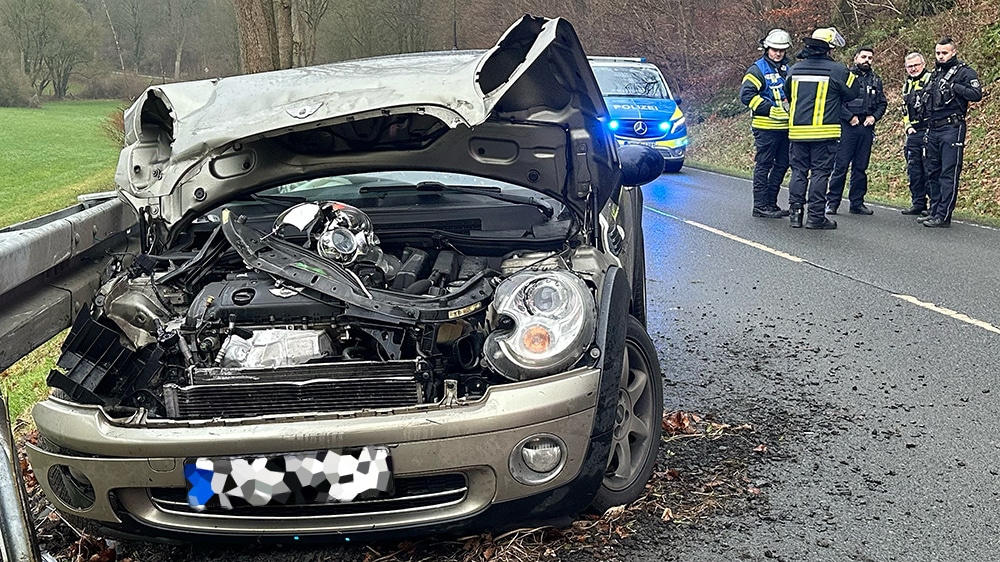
column 316, row 315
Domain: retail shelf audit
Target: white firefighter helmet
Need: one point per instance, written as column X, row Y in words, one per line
column 777, row 39
column 830, row 36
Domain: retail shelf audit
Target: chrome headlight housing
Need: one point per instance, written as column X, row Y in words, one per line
column 541, row 322
column 678, row 124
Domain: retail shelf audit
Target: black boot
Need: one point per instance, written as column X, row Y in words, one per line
column 795, row 216
column 825, row 224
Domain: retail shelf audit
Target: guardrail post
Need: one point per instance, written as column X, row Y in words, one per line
column 17, row 535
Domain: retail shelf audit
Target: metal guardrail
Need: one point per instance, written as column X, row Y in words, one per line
column 50, row 268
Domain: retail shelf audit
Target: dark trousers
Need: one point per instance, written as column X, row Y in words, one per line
column 943, row 158
column 770, row 165
column 854, row 152
column 812, row 163
column 915, row 169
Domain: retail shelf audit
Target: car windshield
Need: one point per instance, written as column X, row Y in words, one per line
column 426, row 199
column 631, row 81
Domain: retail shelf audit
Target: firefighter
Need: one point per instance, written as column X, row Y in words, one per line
column 951, row 87
column 816, row 87
column 763, row 92
column 857, row 133
column 915, row 129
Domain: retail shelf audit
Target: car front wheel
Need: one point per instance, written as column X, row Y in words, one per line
column 638, row 423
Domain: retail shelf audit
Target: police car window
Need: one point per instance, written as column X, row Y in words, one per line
column 630, row 82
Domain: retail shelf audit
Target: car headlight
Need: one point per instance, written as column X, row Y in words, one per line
column 540, row 323
column 678, row 124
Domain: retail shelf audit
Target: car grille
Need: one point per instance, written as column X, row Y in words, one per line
column 409, row 493
column 648, row 130
column 337, row 387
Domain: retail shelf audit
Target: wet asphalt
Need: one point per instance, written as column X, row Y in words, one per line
column 872, row 348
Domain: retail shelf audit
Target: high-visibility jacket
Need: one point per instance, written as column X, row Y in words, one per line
column 816, row 87
column 915, row 110
column 763, row 91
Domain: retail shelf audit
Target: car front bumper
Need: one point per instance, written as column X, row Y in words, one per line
column 131, row 463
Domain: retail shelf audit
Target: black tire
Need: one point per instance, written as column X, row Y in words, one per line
column 673, row 167
column 638, row 423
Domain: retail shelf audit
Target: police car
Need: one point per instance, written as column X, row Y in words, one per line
column 642, row 108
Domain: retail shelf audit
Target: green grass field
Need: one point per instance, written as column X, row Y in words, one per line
column 48, row 156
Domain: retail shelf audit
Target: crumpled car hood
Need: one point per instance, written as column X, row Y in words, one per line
column 527, row 111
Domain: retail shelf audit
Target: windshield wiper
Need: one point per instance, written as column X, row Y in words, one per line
column 492, row 192
column 279, row 199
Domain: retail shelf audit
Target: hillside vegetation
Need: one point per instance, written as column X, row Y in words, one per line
column 720, row 128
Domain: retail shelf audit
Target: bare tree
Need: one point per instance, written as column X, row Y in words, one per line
column 31, row 26
column 180, row 20
column 284, row 33
column 73, row 43
column 309, row 15
column 52, row 38
column 258, row 35
column 213, row 47
column 266, row 33
column 114, row 34
column 134, row 16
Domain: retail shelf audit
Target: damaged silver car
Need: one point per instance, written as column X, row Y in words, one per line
column 371, row 298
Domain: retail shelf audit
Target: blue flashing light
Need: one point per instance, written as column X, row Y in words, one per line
column 296, row 537
column 664, row 125
column 613, row 125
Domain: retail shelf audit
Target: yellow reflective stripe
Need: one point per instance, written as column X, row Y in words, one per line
column 795, row 98
column 756, row 101
column 753, row 80
column 820, row 108
column 850, row 79
column 761, row 122
column 811, row 132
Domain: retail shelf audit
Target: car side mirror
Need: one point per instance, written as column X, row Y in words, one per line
column 640, row 164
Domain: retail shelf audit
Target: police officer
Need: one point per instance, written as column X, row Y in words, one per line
column 857, row 133
column 951, row 87
column 817, row 87
column 763, row 92
column 915, row 127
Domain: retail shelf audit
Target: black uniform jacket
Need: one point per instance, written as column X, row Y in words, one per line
column 951, row 87
column 871, row 97
column 817, row 86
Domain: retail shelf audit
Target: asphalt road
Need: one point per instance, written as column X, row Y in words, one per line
column 873, row 351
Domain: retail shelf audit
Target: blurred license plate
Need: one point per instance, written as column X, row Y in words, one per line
column 288, row 479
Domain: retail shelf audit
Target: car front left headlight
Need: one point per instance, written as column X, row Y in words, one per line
column 540, row 322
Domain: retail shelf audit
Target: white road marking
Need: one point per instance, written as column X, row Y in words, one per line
column 910, row 299
column 733, row 237
column 949, row 313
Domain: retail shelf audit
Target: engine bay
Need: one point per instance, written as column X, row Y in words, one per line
column 316, row 313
